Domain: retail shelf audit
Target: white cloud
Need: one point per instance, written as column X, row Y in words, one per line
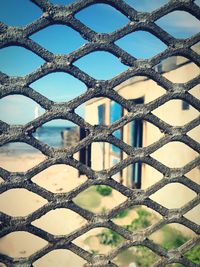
column 181, row 19
column 180, row 24
column 17, row 109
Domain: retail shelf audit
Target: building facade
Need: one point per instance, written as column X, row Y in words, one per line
column 138, row 133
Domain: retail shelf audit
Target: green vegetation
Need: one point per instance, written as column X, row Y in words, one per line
column 110, row 237
column 142, row 256
column 122, row 214
column 194, row 254
column 142, row 222
column 104, row 190
column 88, row 199
column 172, row 238
column 169, row 238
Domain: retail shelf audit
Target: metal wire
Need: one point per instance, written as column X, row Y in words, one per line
column 55, row 14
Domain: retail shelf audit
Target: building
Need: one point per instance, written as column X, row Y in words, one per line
column 142, row 133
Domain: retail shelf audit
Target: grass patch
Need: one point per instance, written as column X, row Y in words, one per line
column 172, row 238
column 104, row 190
column 88, row 199
column 124, row 258
column 140, row 255
column 122, row 214
column 141, row 222
column 143, row 257
column 110, row 237
column 194, row 254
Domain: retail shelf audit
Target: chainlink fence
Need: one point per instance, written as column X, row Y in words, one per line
column 55, row 14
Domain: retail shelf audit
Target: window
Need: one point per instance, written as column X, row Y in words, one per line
column 115, row 114
column 101, row 121
column 135, row 139
column 136, row 134
column 85, row 153
column 185, row 105
column 101, row 114
column 116, row 154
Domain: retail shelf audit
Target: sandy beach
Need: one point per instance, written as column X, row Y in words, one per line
column 58, row 179
column 21, row 202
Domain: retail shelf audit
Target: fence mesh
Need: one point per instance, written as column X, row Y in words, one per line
column 55, row 14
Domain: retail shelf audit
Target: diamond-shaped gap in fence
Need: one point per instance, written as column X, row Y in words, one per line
column 140, row 87
column 181, row 195
column 59, row 178
column 178, row 69
column 175, row 154
column 196, row 48
column 19, row 157
column 139, row 175
column 53, row 37
column 194, row 174
column 146, row 6
column 139, row 133
column 12, row 8
column 21, row 244
column 99, row 198
column 20, row 202
column 172, row 235
column 136, row 256
column 96, row 111
column 13, row 61
column 60, row 221
column 195, row 91
column 60, row 257
column 99, row 240
column 136, row 218
column 58, row 133
column 100, row 161
column 183, row 110
column 183, row 154
column 121, row 175
column 141, row 44
column 106, row 65
column 194, row 133
column 197, row 2
column 193, row 215
column 59, row 86
column 179, row 24
column 18, row 109
column 92, row 17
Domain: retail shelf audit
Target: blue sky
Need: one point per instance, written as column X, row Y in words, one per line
column 17, row 61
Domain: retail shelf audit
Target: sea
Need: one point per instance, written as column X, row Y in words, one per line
column 50, row 135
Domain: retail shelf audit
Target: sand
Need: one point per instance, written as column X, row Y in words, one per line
column 56, row 179
column 21, row 202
